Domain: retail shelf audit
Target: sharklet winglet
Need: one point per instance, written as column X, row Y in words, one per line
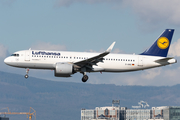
column 110, row 47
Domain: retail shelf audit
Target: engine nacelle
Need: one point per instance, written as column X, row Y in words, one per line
column 63, row 70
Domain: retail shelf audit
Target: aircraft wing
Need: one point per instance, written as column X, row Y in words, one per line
column 93, row 60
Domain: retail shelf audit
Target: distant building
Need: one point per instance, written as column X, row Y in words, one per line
column 112, row 113
column 123, row 113
column 157, row 112
column 101, row 113
column 88, row 114
column 138, row 114
column 102, row 117
column 171, row 113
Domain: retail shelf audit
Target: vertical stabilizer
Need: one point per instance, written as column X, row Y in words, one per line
column 161, row 45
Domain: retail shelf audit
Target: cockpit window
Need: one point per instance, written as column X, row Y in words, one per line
column 16, row 55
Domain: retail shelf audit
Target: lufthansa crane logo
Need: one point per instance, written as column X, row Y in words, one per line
column 163, row 43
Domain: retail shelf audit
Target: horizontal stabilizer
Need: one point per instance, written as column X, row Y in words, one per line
column 163, row 60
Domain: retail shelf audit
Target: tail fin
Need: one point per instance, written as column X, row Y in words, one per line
column 161, row 45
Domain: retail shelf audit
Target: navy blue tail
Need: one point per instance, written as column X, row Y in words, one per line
column 161, row 45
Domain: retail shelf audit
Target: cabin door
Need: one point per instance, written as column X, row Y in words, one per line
column 27, row 55
column 140, row 61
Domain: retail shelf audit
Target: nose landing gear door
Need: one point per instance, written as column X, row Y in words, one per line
column 27, row 55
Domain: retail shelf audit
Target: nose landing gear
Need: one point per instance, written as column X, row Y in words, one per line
column 27, row 71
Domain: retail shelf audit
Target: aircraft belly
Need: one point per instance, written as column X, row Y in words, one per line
column 33, row 65
column 112, row 67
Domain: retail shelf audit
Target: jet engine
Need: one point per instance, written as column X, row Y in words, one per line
column 63, row 70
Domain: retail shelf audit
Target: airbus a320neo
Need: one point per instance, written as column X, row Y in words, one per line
column 66, row 63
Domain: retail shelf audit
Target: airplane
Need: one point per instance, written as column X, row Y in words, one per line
column 65, row 63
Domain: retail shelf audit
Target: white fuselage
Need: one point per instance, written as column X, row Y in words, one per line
column 40, row 59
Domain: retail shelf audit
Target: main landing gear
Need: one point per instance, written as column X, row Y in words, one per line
column 27, row 71
column 85, row 77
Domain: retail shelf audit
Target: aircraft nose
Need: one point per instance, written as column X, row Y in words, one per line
column 7, row 60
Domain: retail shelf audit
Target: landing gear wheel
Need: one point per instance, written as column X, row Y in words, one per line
column 27, row 71
column 84, row 78
column 26, row 76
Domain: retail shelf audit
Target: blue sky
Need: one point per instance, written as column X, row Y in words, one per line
column 90, row 25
